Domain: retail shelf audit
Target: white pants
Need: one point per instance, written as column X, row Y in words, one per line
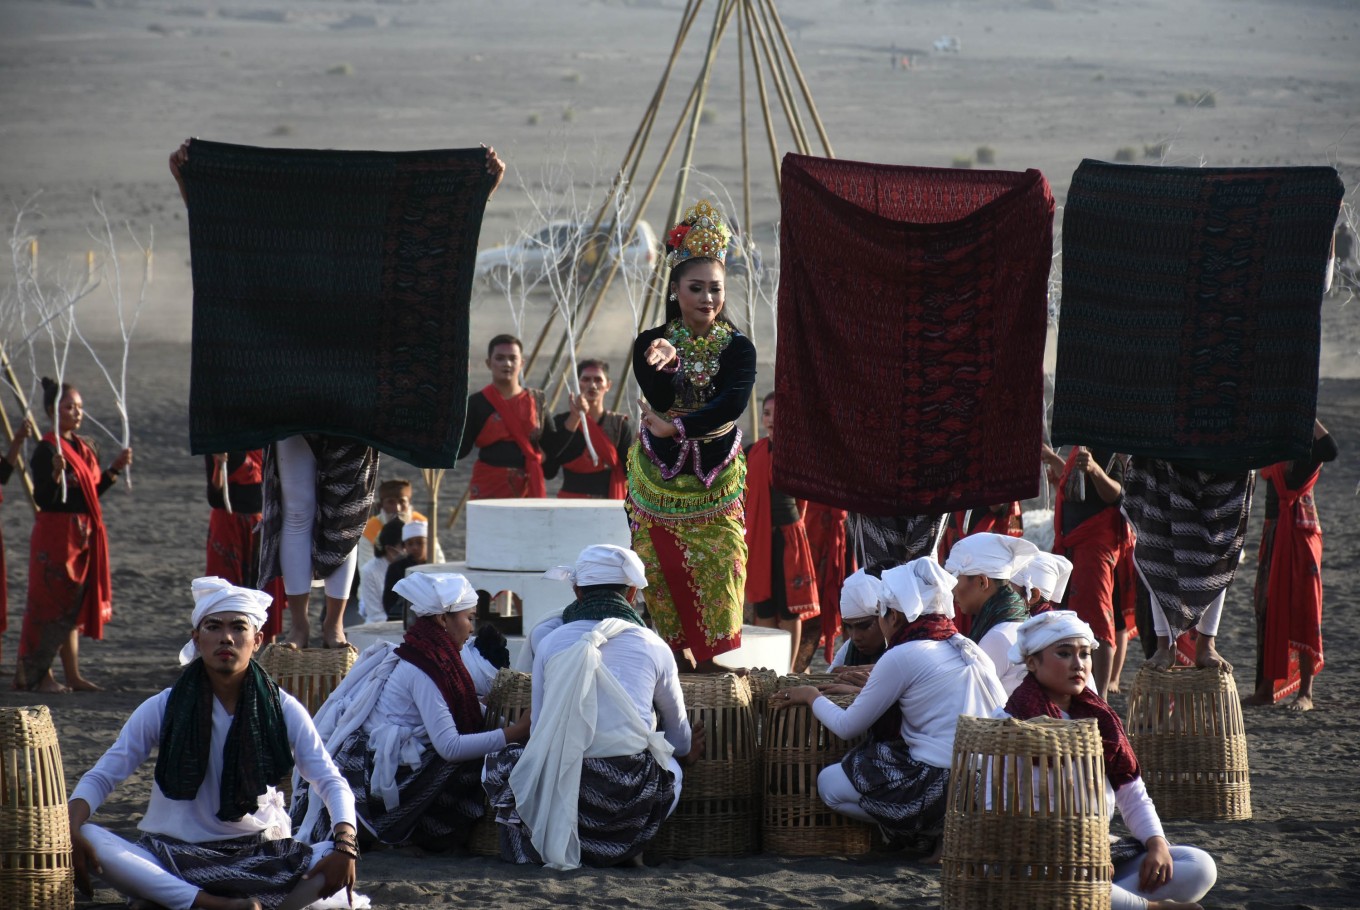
column 1208, row 621
column 834, row 786
column 1193, row 873
column 297, row 489
column 133, row 871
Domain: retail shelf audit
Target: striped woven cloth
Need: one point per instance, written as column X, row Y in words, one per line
column 1191, row 311
column 331, row 294
column 912, row 314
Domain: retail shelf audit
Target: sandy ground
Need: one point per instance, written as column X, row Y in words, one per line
column 94, row 95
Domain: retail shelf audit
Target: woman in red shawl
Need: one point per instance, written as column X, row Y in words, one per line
column 69, row 587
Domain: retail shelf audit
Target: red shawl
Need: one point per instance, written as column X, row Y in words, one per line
column 610, row 461
column 1107, row 528
column 926, row 627
column 1030, row 700
column 430, row 648
column 250, row 471
column 1294, row 591
column 800, row 583
column 52, row 535
column 519, row 416
column 826, row 538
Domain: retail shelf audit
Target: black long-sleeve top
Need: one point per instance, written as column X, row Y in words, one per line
column 721, row 404
column 246, row 498
column 47, row 494
column 1298, row 472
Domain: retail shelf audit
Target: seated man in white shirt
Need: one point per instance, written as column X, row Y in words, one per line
column 596, row 779
column 215, row 834
column 864, row 641
column 984, row 565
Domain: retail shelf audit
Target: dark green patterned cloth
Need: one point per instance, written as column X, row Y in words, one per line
column 331, row 293
column 1191, row 311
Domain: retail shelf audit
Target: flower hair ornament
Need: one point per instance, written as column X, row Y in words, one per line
column 701, row 235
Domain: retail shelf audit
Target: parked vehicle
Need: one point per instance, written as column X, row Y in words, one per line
column 562, row 245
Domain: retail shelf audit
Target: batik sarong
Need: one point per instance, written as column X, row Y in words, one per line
column 906, row 797
column 249, row 867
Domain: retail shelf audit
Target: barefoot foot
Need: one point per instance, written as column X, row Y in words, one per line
column 1162, row 660
column 81, row 684
column 1257, row 700
column 1207, row 656
column 1300, row 704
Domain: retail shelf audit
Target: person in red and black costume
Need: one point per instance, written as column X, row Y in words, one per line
column 1288, row 595
column 610, row 433
column 234, row 524
column 507, row 423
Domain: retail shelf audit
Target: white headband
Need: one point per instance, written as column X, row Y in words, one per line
column 603, row 564
column 860, row 595
column 993, row 555
column 217, row 595
column 1038, row 632
column 920, row 586
column 433, row 593
column 1048, row 573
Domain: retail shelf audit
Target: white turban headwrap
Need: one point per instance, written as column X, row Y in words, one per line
column 993, row 555
column 603, row 564
column 860, row 595
column 920, row 586
column 414, row 529
column 217, row 595
column 433, row 593
column 1048, row 574
column 1038, row 632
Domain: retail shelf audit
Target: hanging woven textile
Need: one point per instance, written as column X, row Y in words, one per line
column 1191, row 311
column 912, row 314
column 331, row 294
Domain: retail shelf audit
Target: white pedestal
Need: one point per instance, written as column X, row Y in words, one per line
column 533, row 535
column 369, row 634
column 760, row 647
column 540, row 595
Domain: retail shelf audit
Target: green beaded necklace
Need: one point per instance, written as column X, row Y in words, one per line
column 699, row 354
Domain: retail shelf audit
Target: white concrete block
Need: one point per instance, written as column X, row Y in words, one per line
column 760, row 647
column 520, row 535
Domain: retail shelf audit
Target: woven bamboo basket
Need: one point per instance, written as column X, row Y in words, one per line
column 796, row 748
column 1185, row 724
column 35, row 832
column 1025, row 823
column 510, row 696
column 309, row 674
column 719, row 809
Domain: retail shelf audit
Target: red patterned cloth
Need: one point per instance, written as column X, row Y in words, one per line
column 1031, row 700
column 912, row 317
column 1294, row 591
column 430, row 648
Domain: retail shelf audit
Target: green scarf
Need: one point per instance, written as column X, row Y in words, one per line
column 599, row 605
column 1003, row 606
column 256, row 754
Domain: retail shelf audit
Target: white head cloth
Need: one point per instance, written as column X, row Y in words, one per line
column 1047, row 573
column 217, row 595
column 860, row 595
column 414, row 529
column 432, row 593
column 993, row 555
column 1038, row 632
column 920, row 586
column 603, row 564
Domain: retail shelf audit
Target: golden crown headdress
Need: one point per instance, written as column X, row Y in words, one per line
column 701, row 235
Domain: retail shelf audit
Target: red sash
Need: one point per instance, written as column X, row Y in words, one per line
column 250, row 471
column 1106, row 529
column 610, row 461
column 1294, row 592
column 800, row 584
column 519, row 415
column 85, row 551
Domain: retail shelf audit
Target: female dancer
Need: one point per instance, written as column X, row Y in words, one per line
column 1055, row 648
column 686, row 473
column 69, row 586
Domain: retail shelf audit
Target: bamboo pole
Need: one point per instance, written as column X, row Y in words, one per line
column 746, row 205
column 764, row 101
column 802, row 82
column 781, row 87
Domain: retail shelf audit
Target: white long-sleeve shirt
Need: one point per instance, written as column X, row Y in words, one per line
column 996, row 644
column 195, row 820
column 412, row 702
column 933, row 682
column 645, row 667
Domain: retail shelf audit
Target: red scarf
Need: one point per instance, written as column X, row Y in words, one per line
column 800, row 579
column 250, row 471
column 926, row 627
column 609, row 459
column 430, row 648
column 1107, row 528
column 519, row 415
column 1030, row 700
column 82, row 465
column 1294, row 590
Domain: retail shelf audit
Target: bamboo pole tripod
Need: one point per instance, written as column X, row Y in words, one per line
column 762, row 45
